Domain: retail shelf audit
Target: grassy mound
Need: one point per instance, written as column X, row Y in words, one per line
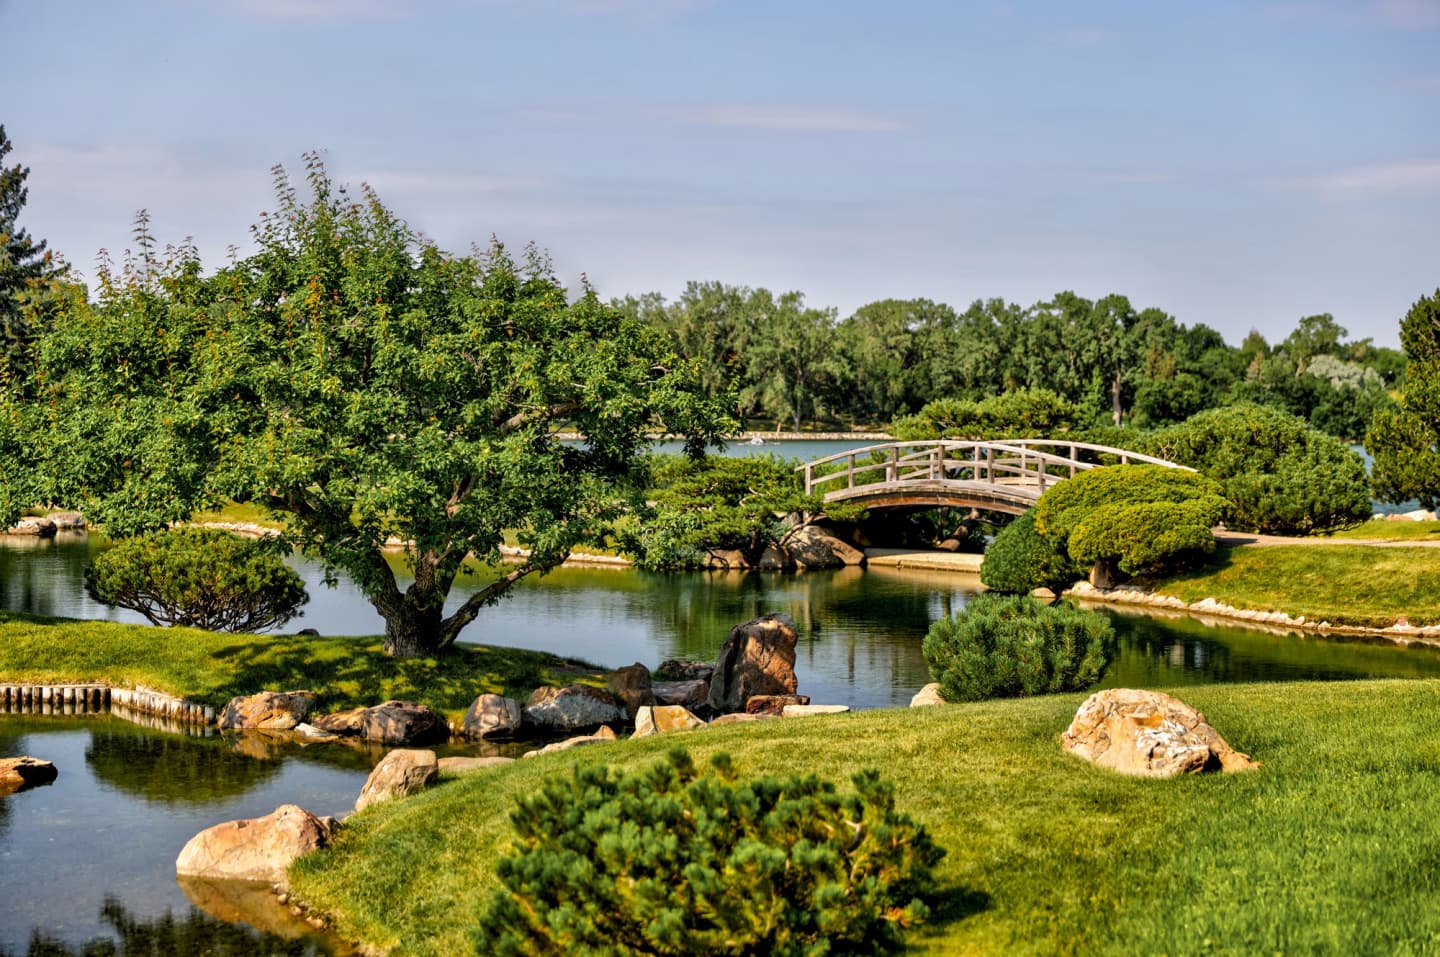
column 211, row 668
column 1046, row 854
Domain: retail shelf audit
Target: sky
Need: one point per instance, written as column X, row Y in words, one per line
column 1235, row 164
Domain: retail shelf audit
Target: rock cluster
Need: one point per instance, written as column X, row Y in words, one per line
column 1148, row 734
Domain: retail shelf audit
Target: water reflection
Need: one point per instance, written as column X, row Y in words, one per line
column 172, row 769
column 194, row 934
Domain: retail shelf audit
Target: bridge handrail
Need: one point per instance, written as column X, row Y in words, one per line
column 1032, row 461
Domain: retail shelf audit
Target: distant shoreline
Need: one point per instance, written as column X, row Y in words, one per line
column 744, row 437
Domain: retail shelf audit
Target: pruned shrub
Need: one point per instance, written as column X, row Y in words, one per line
column 1279, row 475
column 1141, row 519
column 1007, row 646
column 1021, row 560
column 198, row 577
column 668, row 860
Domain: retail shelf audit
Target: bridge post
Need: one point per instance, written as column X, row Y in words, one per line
column 1074, row 457
column 809, row 478
column 892, row 468
column 990, row 465
column 851, row 476
column 1042, row 476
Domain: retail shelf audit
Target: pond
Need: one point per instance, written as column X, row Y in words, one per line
column 93, row 854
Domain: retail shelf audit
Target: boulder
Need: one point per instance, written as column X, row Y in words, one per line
column 267, row 711
column 67, row 521
column 814, row 547
column 773, row 703
column 739, row 717
column 466, row 765
column 400, row 773
column 491, row 716
column 680, row 669
column 775, row 559
column 256, row 849
column 810, row 710
column 664, row 719
column 34, row 527
column 726, row 558
column 568, row 743
column 403, row 722
column 17, row 774
column 341, row 722
column 758, row 657
column 928, row 695
column 1148, row 734
column 570, row 708
column 630, row 686
column 688, row 694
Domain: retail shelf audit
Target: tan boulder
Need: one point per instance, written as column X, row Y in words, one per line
column 255, row 849
column 814, row 547
column 662, row 719
column 739, row 717
column 1148, row 734
column 18, row 774
column 568, row 743
column 725, row 558
column 758, row 657
column 491, row 716
column 775, row 559
column 400, row 773
column 630, row 686
column 267, row 711
column 928, row 695
column 570, row 708
column 404, row 723
column 341, row 722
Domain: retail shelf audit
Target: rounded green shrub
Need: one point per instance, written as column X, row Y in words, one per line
column 1021, row 560
column 1007, row 646
column 671, row 861
column 198, row 577
column 1279, row 475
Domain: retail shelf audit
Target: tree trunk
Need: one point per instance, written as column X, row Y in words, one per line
column 1115, row 397
column 412, row 631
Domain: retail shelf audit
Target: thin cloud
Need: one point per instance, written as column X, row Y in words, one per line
column 796, row 118
column 1403, row 176
column 446, row 182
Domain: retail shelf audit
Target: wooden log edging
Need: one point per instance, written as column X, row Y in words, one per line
column 96, row 698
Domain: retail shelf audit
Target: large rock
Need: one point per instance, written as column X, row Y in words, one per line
column 403, row 722
column 775, row 559
column 400, row 773
column 725, row 558
column 687, row 694
column 773, row 703
column 342, row 722
column 928, row 695
column 1148, row 734
column 67, row 521
column 570, row 708
column 36, row 527
column 758, row 657
column 17, row 774
column 664, row 719
column 267, row 711
column 256, row 849
column 682, row 669
column 630, row 686
column 814, row 547
column 491, row 716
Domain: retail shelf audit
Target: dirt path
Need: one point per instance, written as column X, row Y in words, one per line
column 1225, row 537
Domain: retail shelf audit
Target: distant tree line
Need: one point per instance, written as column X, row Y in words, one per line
column 793, row 364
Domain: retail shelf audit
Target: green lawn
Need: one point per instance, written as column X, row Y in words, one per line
column 1381, row 530
column 211, row 668
column 233, row 512
column 1333, row 846
column 1350, row 584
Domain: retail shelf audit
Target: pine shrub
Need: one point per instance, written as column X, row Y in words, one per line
column 671, row 861
column 1006, row 646
column 1021, row 560
column 198, row 577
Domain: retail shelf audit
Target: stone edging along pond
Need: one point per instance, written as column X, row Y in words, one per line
column 1275, row 621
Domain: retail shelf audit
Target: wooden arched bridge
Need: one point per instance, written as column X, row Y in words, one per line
column 1007, row 475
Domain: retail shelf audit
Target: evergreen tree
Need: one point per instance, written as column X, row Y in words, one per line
column 23, row 260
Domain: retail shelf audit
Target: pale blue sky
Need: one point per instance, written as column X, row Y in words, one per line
column 1237, row 164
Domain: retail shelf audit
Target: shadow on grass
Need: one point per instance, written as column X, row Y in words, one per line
column 950, row 905
column 349, row 672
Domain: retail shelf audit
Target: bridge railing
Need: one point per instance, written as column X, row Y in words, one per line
column 1009, row 462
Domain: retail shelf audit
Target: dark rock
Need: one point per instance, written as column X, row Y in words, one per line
column 678, row 669
column 570, row 708
column 775, row 559
column 403, row 722
column 758, row 658
column 773, row 704
column 687, row 694
column 630, row 686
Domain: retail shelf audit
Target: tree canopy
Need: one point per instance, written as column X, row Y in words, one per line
column 365, row 387
column 1406, row 440
column 24, row 263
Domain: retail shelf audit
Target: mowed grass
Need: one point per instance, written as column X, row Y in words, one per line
column 211, row 668
column 1332, row 846
column 1379, row 529
column 1344, row 584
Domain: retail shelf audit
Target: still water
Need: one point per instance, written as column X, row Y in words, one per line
column 92, row 856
